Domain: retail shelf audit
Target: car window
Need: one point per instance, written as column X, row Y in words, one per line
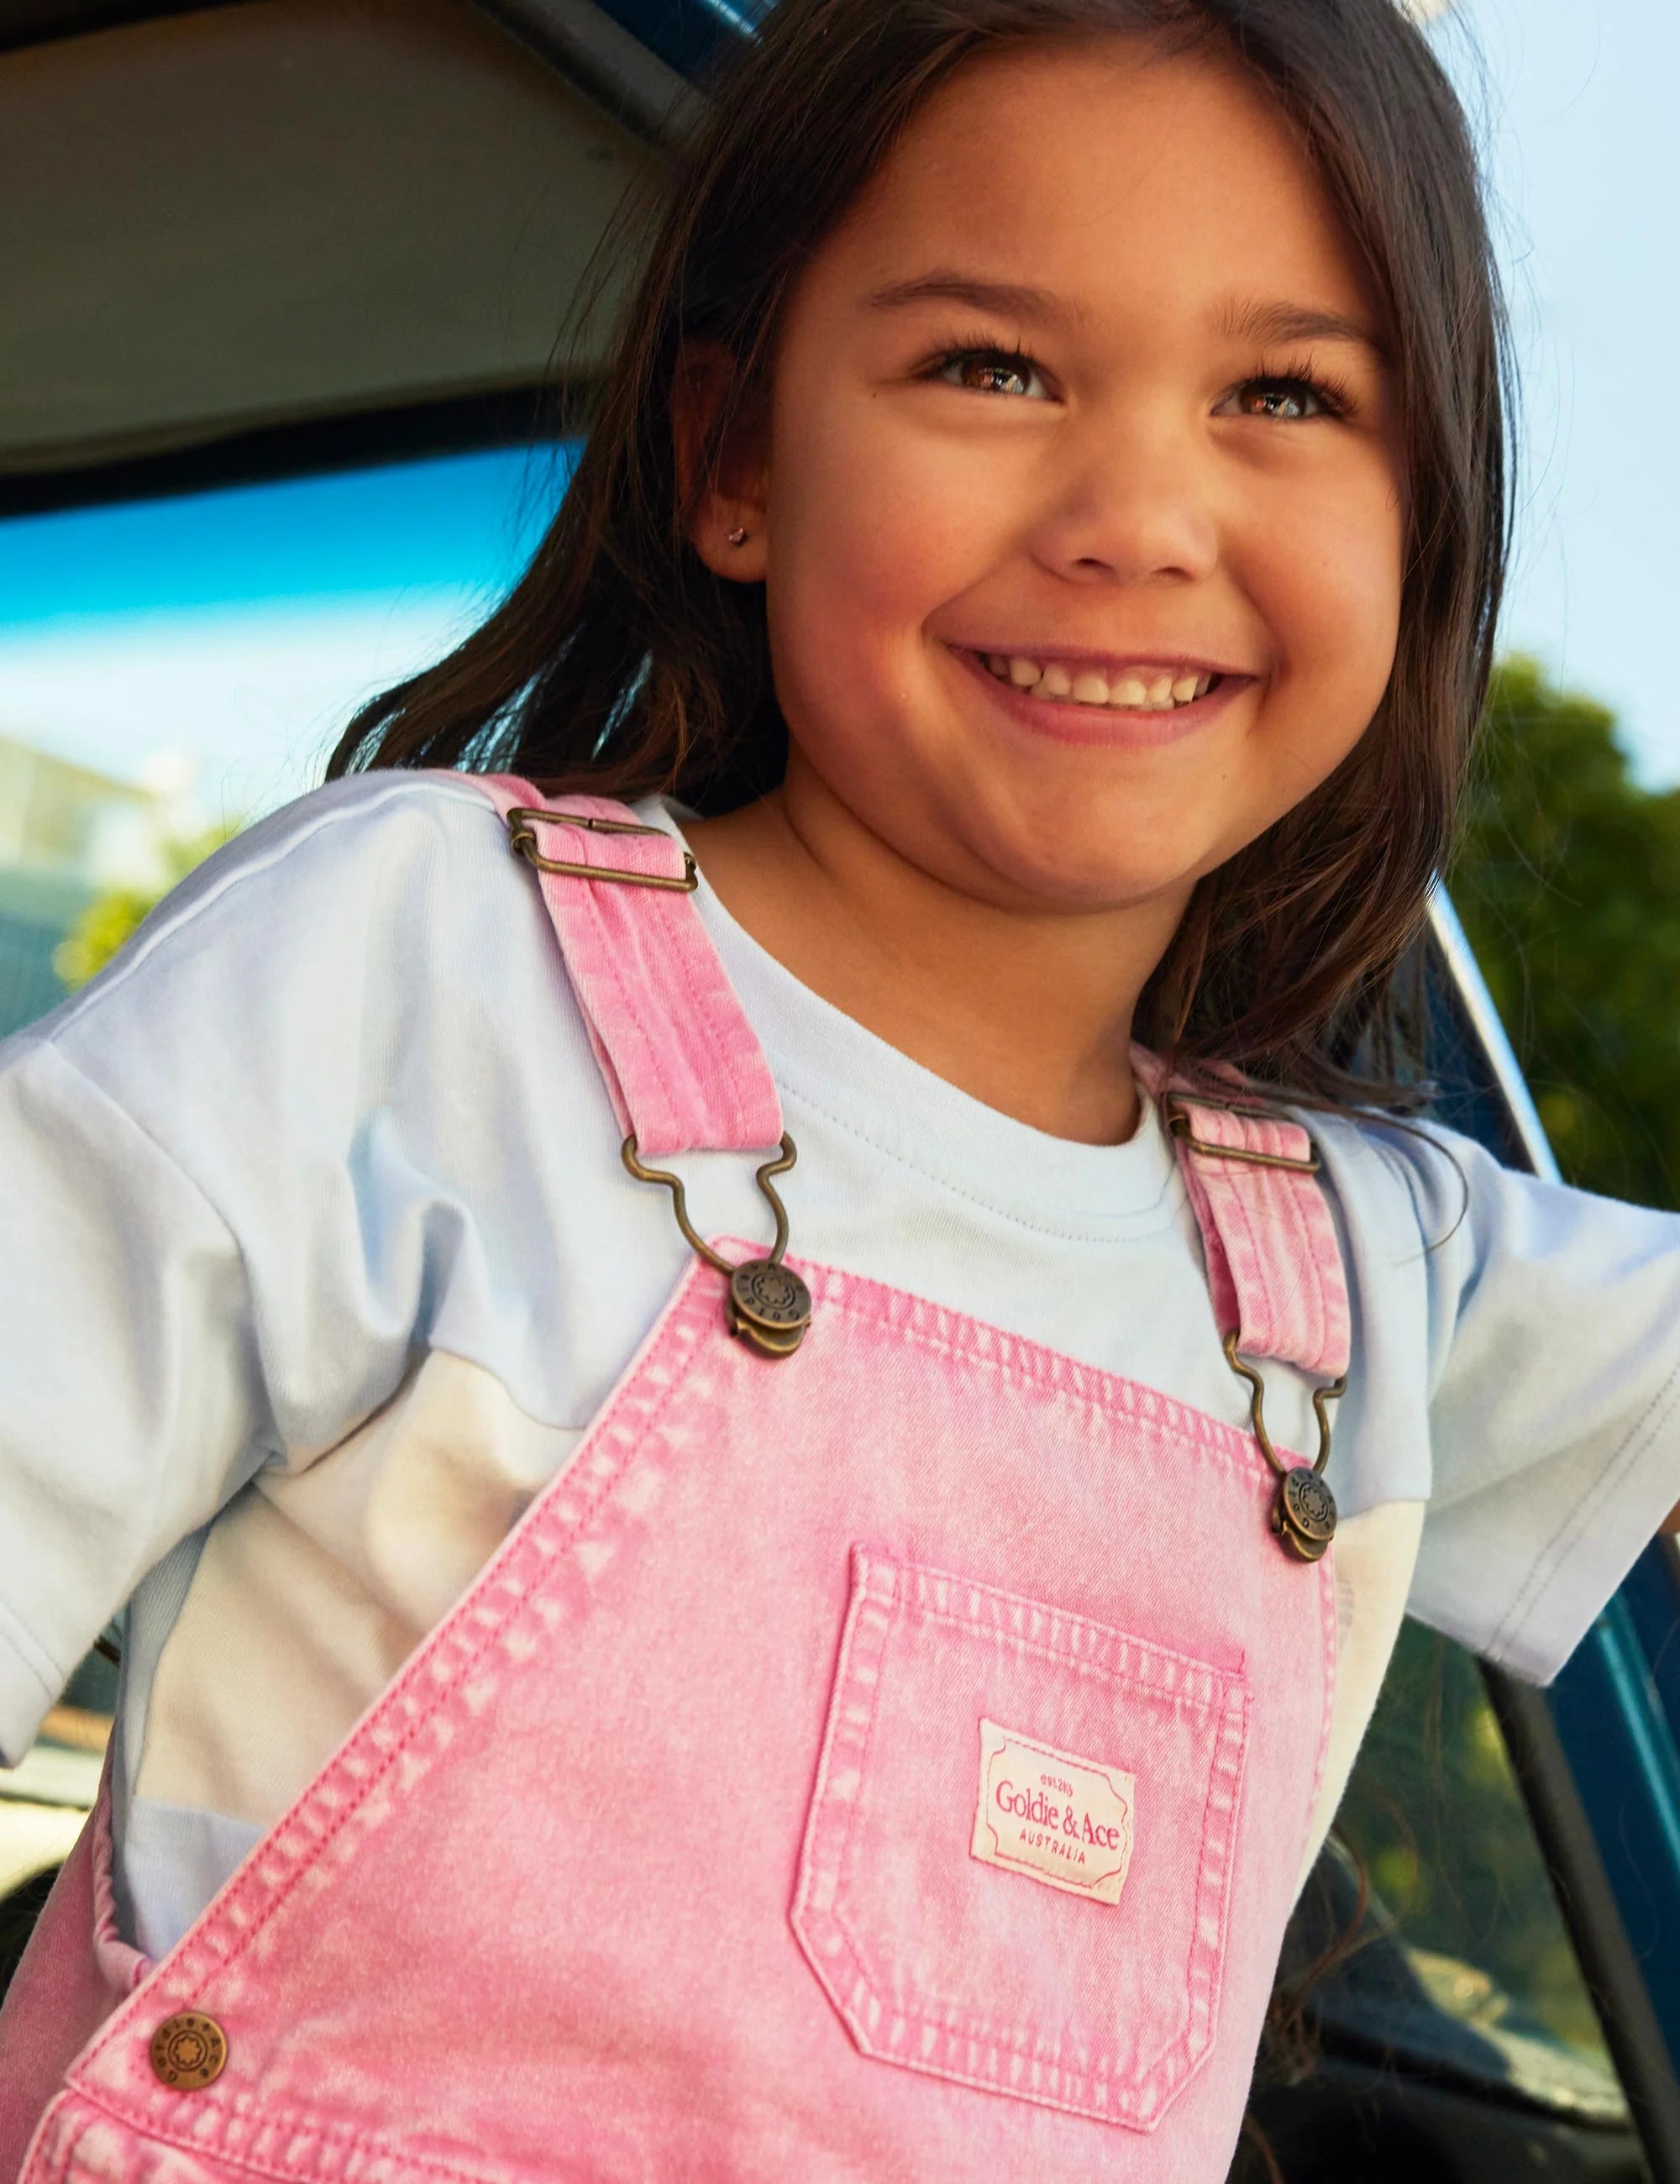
column 1432, row 2018
column 1436, row 1817
column 170, row 669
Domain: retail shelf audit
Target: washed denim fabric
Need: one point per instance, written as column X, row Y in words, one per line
column 887, row 1762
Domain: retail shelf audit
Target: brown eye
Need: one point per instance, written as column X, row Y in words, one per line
column 992, row 371
column 1287, row 401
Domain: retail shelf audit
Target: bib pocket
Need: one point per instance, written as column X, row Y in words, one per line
column 1017, row 1863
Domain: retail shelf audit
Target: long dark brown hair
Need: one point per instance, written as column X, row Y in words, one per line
column 621, row 663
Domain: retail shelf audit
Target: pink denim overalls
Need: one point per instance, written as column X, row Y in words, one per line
column 887, row 1750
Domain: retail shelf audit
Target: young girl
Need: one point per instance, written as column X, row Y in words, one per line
column 622, row 1687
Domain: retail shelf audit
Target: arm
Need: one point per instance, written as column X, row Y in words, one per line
column 132, row 1403
column 215, row 1237
column 1555, row 1415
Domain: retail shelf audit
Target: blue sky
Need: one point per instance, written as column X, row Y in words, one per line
column 229, row 634
column 1574, row 99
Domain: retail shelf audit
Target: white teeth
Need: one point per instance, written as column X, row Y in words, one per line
column 1145, row 690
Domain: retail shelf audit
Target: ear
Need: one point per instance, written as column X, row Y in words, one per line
column 727, row 511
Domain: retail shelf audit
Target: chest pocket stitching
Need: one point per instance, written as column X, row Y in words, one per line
column 880, row 2028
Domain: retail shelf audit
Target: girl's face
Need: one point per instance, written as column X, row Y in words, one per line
column 1084, row 404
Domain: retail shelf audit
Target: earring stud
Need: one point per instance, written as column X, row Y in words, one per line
column 738, row 536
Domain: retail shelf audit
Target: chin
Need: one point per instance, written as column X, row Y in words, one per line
column 1066, row 850
column 1082, row 875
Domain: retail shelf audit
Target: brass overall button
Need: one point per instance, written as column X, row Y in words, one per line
column 188, row 2050
column 1303, row 1514
column 769, row 1306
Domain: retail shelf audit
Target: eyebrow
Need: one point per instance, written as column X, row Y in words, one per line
column 1292, row 322
column 1253, row 322
column 1009, row 299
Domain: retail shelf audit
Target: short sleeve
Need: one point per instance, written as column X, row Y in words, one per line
column 1555, row 1401
column 131, row 1392
column 221, row 1230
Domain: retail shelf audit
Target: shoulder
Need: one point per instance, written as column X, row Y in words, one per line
column 1430, row 1197
column 375, row 837
column 1421, row 1210
column 354, row 1023
column 335, row 951
column 1483, row 1237
column 1409, row 1184
column 375, row 869
column 1447, row 1186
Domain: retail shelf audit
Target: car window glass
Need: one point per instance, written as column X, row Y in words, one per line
column 1460, row 1961
column 169, row 669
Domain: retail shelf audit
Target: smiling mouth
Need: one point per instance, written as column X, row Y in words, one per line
column 1139, row 688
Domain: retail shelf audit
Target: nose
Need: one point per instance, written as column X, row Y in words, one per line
column 1130, row 502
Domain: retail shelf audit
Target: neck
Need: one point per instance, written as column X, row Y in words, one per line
column 1029, row 1011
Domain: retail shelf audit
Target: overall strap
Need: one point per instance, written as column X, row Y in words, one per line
column 685, row 1072
column 1275, row 1270
column 682, row 1065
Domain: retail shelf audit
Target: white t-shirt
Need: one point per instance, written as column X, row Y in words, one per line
column 318, row 1256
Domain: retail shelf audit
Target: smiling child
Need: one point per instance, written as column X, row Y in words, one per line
column 764, row 1388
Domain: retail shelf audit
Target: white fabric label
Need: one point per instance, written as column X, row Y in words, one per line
column 1059, row 1819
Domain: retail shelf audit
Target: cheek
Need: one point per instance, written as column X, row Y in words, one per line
column 1332, row 598
column 871, row 529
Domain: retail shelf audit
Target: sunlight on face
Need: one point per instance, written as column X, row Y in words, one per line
column 1084, row 522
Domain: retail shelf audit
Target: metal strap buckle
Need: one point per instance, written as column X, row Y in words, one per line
column 1304, row 1508
column 523, row 820
column 1179, row 1126
column 769, row 1306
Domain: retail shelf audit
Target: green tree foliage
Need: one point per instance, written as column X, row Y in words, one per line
column 1567, row 879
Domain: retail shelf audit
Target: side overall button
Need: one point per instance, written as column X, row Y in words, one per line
column 188, row 2050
